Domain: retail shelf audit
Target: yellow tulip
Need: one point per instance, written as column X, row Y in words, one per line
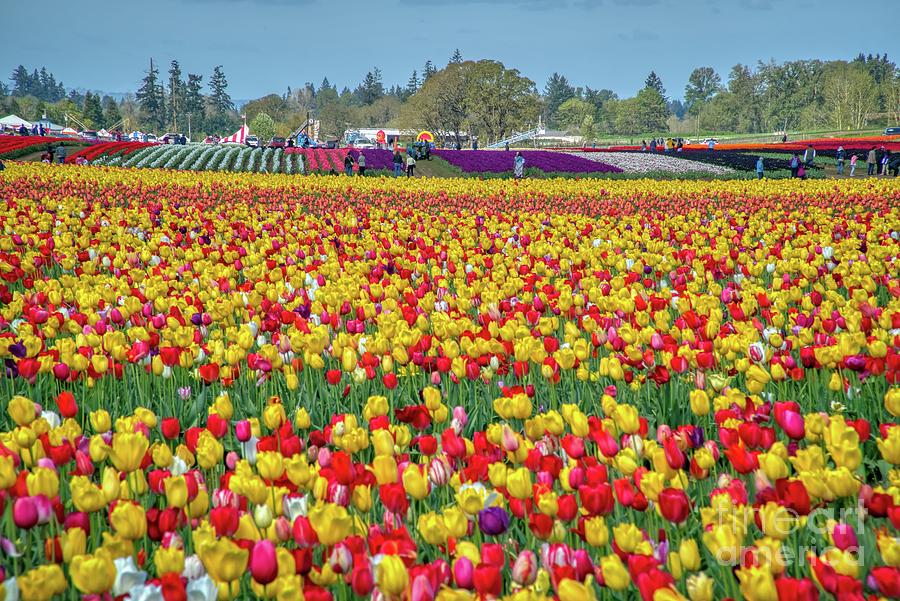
column 415, row 482
column 615, row 574
column 129, row 520
column 168, row 560
column 572, row 590
column 128, row 450
column 518, row 483
column 391, row 575
column 331, row 523
column 93, row 574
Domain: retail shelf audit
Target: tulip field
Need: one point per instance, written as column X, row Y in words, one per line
column 237, row 386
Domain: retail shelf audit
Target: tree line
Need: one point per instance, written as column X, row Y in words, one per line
column 489, row 100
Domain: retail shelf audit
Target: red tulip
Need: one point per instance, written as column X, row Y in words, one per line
column 361, row 579
column 887, row 580
column 796, row 589
column 674, row 505
column 488, row 580
column 65, row 401
column 171, row 428
column 225, row 520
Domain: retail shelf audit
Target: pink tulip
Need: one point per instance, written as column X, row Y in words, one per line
column 421, row 589
column 464, row 573
column 263, row 563
column 243, row 431
column 844, row 537
column 25, row 513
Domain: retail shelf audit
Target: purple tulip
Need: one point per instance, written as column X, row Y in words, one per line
column 497, row 161
column 493, row 521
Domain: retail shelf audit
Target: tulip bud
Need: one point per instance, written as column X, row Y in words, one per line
column 525, row 568
column 340, row 560
column 463, row 573
column 262, row 516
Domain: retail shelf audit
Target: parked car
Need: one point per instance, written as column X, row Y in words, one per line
column 892, row 131
column 363, row 143
column 252, row 141
column 278, row 143
column 152, row 138
column 90, row 136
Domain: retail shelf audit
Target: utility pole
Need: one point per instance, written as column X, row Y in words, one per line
column 189, row 126
column 174, row 109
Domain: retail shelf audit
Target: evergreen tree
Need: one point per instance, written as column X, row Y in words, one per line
column 556, row 92
column 4, row 89
column 456, row 58
column 111, row 114
column 371, row 88
column 151, row 99
column 653, row 81
column 652, row 111
column 412, row 86
column 326, row 85
column 92, row 110
column 175, row 101
column 221, row 117
column 21, row 81
column 428, row 71
column 218, row 88
column 194, row 104
column 44, row 90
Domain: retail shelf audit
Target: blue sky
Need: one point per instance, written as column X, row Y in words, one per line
column 267, row 45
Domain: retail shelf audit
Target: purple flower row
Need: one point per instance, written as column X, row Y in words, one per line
column 498, row 161
column 376, row 158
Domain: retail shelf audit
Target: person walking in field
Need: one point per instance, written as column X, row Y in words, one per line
column 60, row 154
column 519, row 165
column 410, row 165
column 795, row 164
column 398, row 163
column 871, row 160
column 760, row 168
column 809, row 156
column 361, row 163
column 885, row 161
column 853, row 159
column 348, row 165
column 841, row 155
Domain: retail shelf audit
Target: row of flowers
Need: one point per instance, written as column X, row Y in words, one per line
column 15, row 146
column 642, row 162
column 108, row 149
column 891, row 143
column 235, row 386
column 498, row 161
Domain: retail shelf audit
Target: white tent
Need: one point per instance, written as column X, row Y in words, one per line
column 14, row 121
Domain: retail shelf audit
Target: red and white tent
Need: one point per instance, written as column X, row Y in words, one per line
column 237, row 138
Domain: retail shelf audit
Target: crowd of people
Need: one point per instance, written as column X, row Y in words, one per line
column 879, row 161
